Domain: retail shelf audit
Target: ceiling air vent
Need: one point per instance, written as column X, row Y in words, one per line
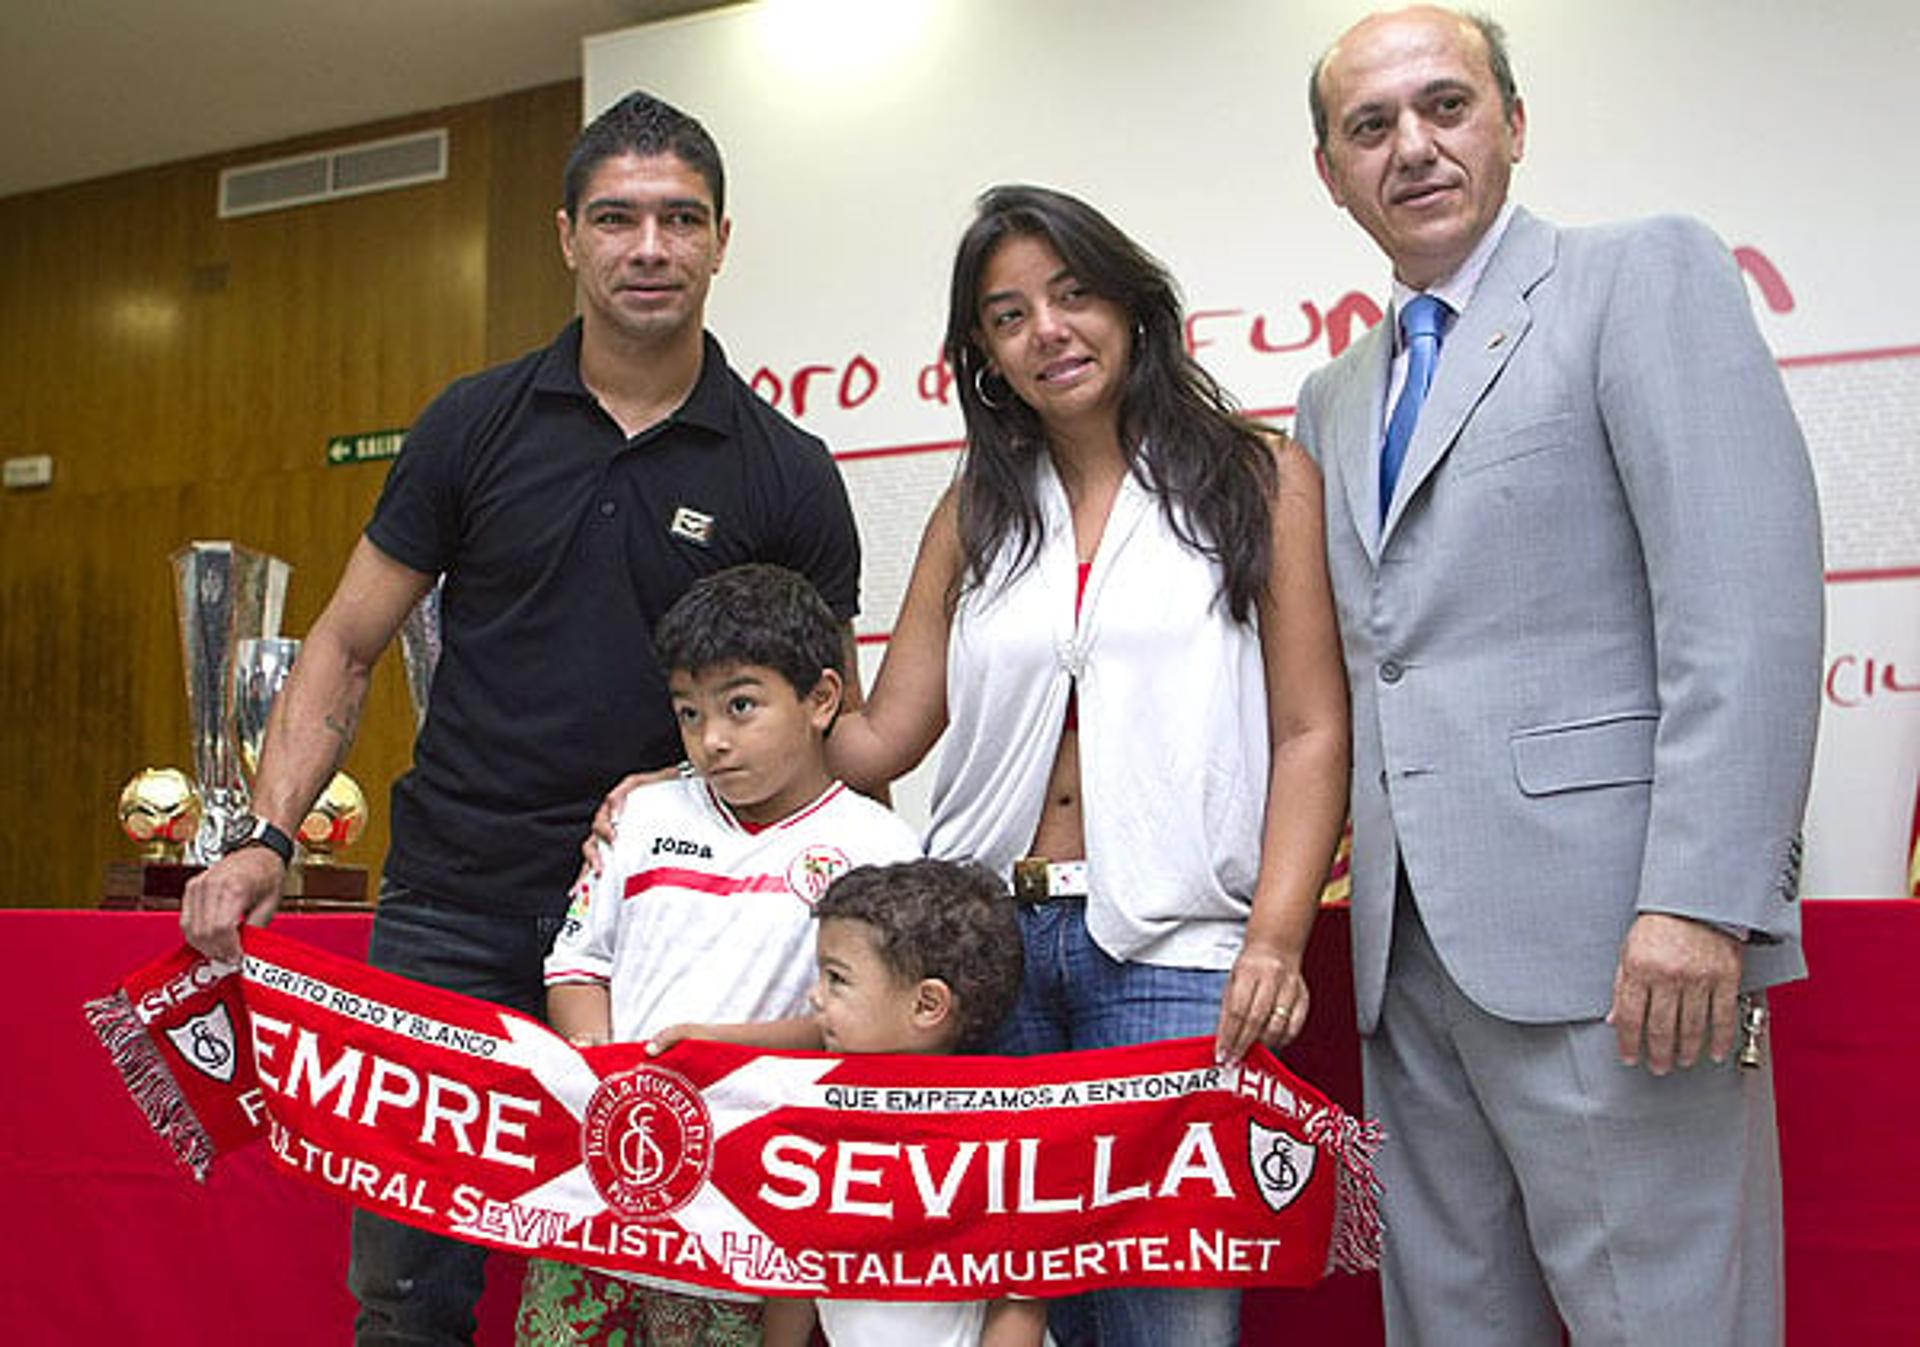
column 351, row 170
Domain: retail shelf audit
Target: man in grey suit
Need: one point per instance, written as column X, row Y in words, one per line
column 1575, row 551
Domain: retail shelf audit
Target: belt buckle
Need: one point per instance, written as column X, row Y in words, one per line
column 1030, row 880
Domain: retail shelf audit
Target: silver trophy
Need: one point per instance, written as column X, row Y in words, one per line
column 226, row 593
column 260, row 666
column 420, row 649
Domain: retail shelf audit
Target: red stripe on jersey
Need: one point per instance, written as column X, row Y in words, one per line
column 668, row 876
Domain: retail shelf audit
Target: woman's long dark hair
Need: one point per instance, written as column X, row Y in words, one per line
column 1181, row 434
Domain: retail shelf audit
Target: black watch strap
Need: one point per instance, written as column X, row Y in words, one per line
column 264, row 834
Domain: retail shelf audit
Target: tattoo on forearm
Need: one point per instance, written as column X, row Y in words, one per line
column 343, row 728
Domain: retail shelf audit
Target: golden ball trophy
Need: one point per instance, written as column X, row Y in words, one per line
column 337, row 818
column 160, row 811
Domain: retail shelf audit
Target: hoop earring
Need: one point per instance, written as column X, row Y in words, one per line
column 980, row 389
column 1139, row 334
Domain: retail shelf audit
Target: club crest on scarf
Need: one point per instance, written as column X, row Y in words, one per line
column 1281, row 1166
column 647, row 1141
column 206, row 1043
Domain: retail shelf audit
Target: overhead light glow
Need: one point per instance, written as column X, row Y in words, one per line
column 833, row 37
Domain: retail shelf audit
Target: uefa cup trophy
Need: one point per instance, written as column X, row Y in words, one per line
column 420, row 649
column 260, row 666
column 225, row 593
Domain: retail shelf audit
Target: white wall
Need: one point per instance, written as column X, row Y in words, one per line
column 854, row 153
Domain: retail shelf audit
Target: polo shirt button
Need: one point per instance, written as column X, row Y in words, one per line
column 1390, row 671
column 1383, row 778
column 607, row 508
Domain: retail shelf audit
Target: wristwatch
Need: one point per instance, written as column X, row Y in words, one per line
column 250, row 830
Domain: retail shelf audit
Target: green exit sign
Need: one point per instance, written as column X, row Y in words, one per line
column 369, row 446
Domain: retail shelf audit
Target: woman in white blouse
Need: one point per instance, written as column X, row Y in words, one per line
column 1120, row 615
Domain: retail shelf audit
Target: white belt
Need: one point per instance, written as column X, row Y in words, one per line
column 1039, row 880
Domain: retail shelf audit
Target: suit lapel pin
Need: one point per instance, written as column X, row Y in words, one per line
column 1494, row 341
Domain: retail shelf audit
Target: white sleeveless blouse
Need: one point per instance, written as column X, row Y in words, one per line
column 1173, row 730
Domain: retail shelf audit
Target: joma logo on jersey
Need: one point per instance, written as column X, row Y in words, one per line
column 679, row 846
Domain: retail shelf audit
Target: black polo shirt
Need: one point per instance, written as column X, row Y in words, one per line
column 562, row 541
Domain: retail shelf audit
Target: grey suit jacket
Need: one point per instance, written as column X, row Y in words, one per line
column 1584, row 651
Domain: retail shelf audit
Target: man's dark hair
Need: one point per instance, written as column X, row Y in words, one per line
column 938, row 919
column 641, row 124
column 1497, row 61
column 756, row 614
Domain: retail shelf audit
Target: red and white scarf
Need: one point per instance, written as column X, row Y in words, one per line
column 879, row 1177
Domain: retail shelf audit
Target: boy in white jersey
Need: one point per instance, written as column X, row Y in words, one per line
column 703, row 909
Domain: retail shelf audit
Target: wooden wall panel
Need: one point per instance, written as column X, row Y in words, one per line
column 185, row 372
column 532, row 133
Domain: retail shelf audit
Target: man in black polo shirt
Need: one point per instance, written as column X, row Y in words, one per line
column 569, row 497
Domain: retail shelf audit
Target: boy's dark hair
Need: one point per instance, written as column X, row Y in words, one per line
column 938, row 919
column 755, row 614
column 644, row 125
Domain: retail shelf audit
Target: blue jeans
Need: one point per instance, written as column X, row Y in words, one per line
column 416, row 1288
column 1075, row 995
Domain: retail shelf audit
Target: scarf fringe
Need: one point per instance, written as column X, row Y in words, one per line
column 154, row 1090
column 1355, row 1246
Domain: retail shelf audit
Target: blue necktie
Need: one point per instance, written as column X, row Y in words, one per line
column 1420, row 324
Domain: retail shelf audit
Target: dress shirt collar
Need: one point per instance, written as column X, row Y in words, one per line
column 1456, row 290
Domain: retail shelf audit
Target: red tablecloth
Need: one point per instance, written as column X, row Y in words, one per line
column 105, row 1240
